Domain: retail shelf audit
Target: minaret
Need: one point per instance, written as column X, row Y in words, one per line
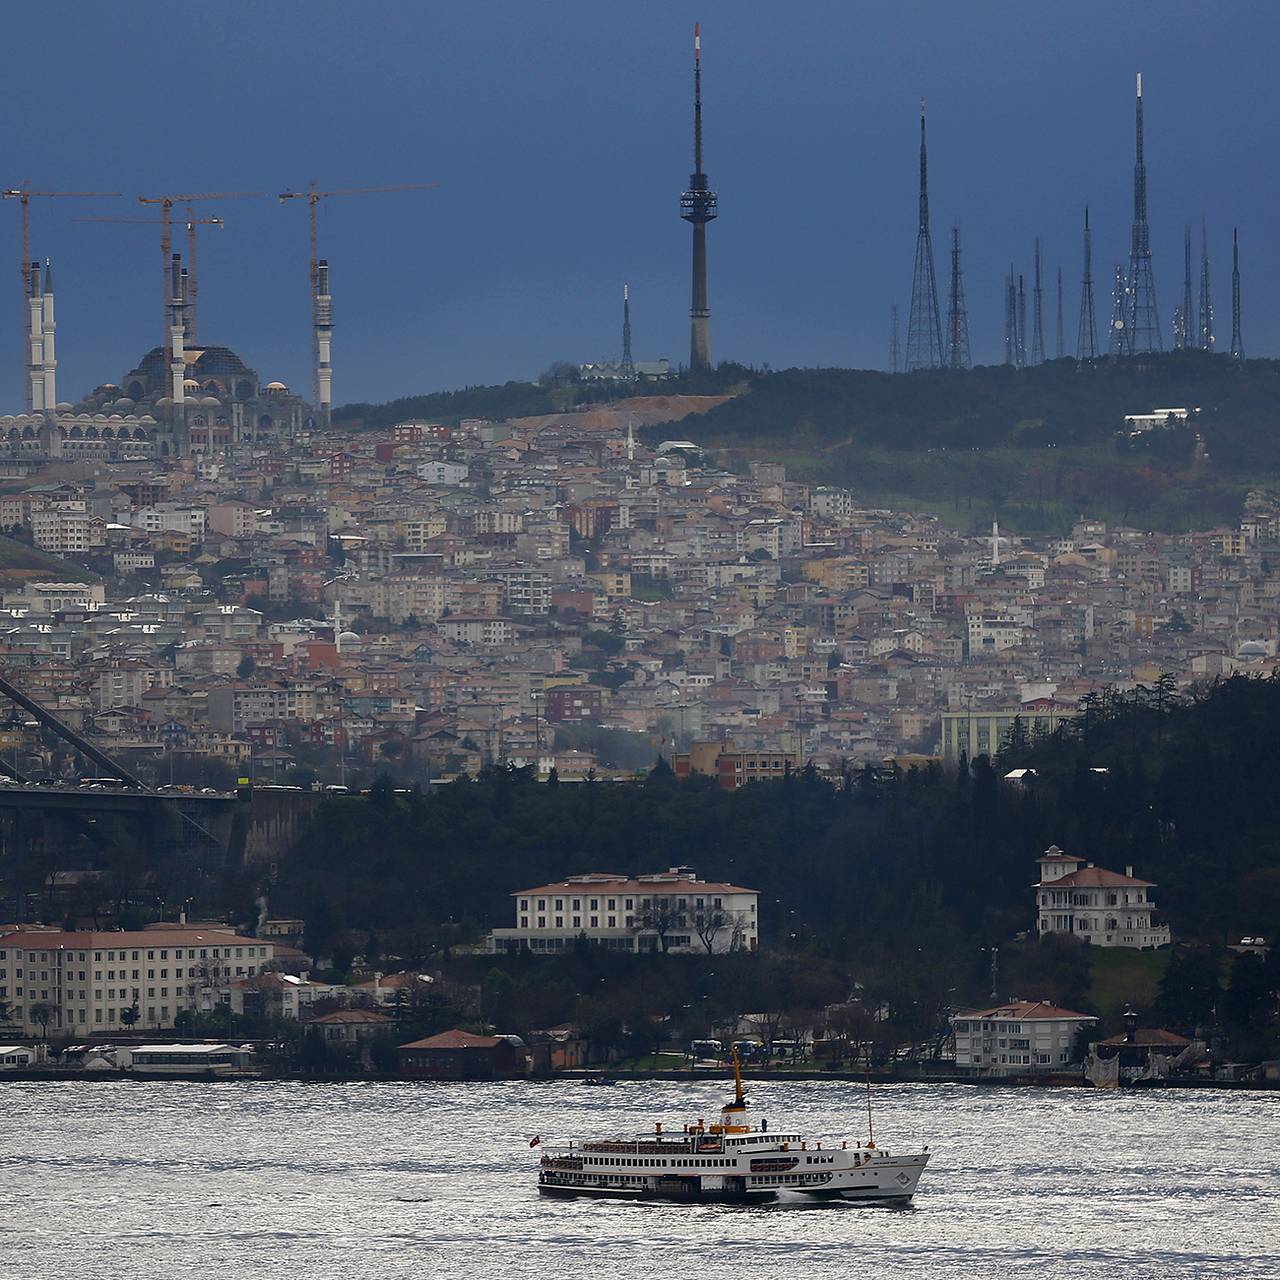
column 1144, row 320
column 628, row 365
column 1087, row 336
column 324, row 333
column 1237, row 347
column 924, row 323
column 177, row 331
column 1206, row 293
column 35, row 306
column 698, row 206
column 48, row 329
column 995, row 543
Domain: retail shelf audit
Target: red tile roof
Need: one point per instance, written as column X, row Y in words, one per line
column 454, row 1040
column 623, row 884
column 1027, row 1011
column 179, row 936
column 1096, row 878
column 1150, row 1038
column 352, row 1017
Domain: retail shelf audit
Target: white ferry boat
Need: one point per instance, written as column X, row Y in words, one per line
column 729, row 1161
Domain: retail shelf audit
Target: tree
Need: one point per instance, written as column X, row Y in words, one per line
column 131, row 1015
column 42, row 1013
column 660, row 915
column 708, row 924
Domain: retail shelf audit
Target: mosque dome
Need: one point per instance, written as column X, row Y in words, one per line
column 146, row 417
column 124, row 403
column 62, row 407
column 276, row 386
column 212, row 401
column 165, row 402
column 348, row 639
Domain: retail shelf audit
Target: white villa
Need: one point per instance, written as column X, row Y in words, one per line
column 1018, row 1037
column 1100, row 907
column 668, row 911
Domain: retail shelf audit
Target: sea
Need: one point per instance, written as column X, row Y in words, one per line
column 380, row 1181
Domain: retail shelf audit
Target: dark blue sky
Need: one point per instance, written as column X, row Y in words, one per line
column 560, row 135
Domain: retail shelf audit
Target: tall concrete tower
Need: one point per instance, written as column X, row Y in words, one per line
column 324, row 333
column 35, row 365
column 1144, row 320
column 698, row 206
column 48, row 328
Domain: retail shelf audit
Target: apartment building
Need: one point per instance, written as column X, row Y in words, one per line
column 83, row 982
column 1017, row 1038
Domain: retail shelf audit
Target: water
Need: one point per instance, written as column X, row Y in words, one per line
column 384, row 1181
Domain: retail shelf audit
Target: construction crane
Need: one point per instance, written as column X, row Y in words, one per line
column 313, row 198
column 23, row 195
column 192, row 222
column 166, row 204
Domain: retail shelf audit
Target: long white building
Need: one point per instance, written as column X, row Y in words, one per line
column 668, row 911
column 83, row 982
column 1100, row 907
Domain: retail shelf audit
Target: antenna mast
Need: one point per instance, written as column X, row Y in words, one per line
column 1119, row 325
column 1237, row 347
column 1057, row 345
column 895, row 347
column 1206, row 293
column 1037, row 314
column 924, row 325
column 957, row 313
column 1144, row 320
column 628, row 367
column 698, row 207
column 1087, row 336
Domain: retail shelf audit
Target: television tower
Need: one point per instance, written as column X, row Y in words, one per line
column 957, row 313
column 1206, row 293
column 1237, row 347
column 698, row 206
column 628, row 367
column 1087, row 337
column 1144, row 320
column 1057, row 346
column 1037, row 314
column 895, row 347
column 1119, row 315
column 924, row 325
column 1185, row 338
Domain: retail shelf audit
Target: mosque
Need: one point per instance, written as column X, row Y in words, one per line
column 180, row 400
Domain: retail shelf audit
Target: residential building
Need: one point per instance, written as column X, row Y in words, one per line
column 1019, row 1038
column 1100, row 907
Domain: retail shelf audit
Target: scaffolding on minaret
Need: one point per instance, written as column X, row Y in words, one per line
column 1087, row 335
column 1037, row 313
column 1237, row 346
column 957, row 313
column 1206, row 293
column 1143, row 330
column 895, row 346
column 924, row 323
column 1120, row 345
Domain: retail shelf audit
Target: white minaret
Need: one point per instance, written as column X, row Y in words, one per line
column 324, row 332
column 995, row 543
column 48, row 328
column 631, row 442
column 177, row 344
column 36, row 365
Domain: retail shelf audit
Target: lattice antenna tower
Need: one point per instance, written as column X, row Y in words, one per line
column 628, row 365
column 1021, row 332
column 1206, row 293
column 1144, row 320
column 1119, row 344
column 957, row 312
column 1010, row 320
column 1058, row 350
column 1237, row 346
column 1037, row 313
column 1087, row 335
column 924, row 323
column 895, row 345
column 1188, row 310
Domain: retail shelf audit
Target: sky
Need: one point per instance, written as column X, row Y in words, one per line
column 560, row 137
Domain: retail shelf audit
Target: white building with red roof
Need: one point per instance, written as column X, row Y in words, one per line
column 1018, row 1037
column 87, row 982
column 667, row 911
column 1100, row 907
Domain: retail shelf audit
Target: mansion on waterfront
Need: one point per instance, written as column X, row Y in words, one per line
column 669, row 911
column 1097, row 906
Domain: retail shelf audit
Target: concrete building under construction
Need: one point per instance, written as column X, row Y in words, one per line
column 180, row 399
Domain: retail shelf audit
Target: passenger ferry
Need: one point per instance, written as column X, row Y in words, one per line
column 729, row 1161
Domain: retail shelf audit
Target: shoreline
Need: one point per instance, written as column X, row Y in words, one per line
column 578, row 1078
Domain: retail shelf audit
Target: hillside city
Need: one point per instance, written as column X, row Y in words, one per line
column 431, row 599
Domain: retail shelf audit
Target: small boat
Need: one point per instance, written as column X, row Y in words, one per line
column 598, row 1080
column 731, row 1161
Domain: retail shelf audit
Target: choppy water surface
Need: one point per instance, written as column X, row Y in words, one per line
column 388, row 1181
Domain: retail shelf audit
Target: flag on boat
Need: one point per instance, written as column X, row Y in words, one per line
column 533, row 1142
